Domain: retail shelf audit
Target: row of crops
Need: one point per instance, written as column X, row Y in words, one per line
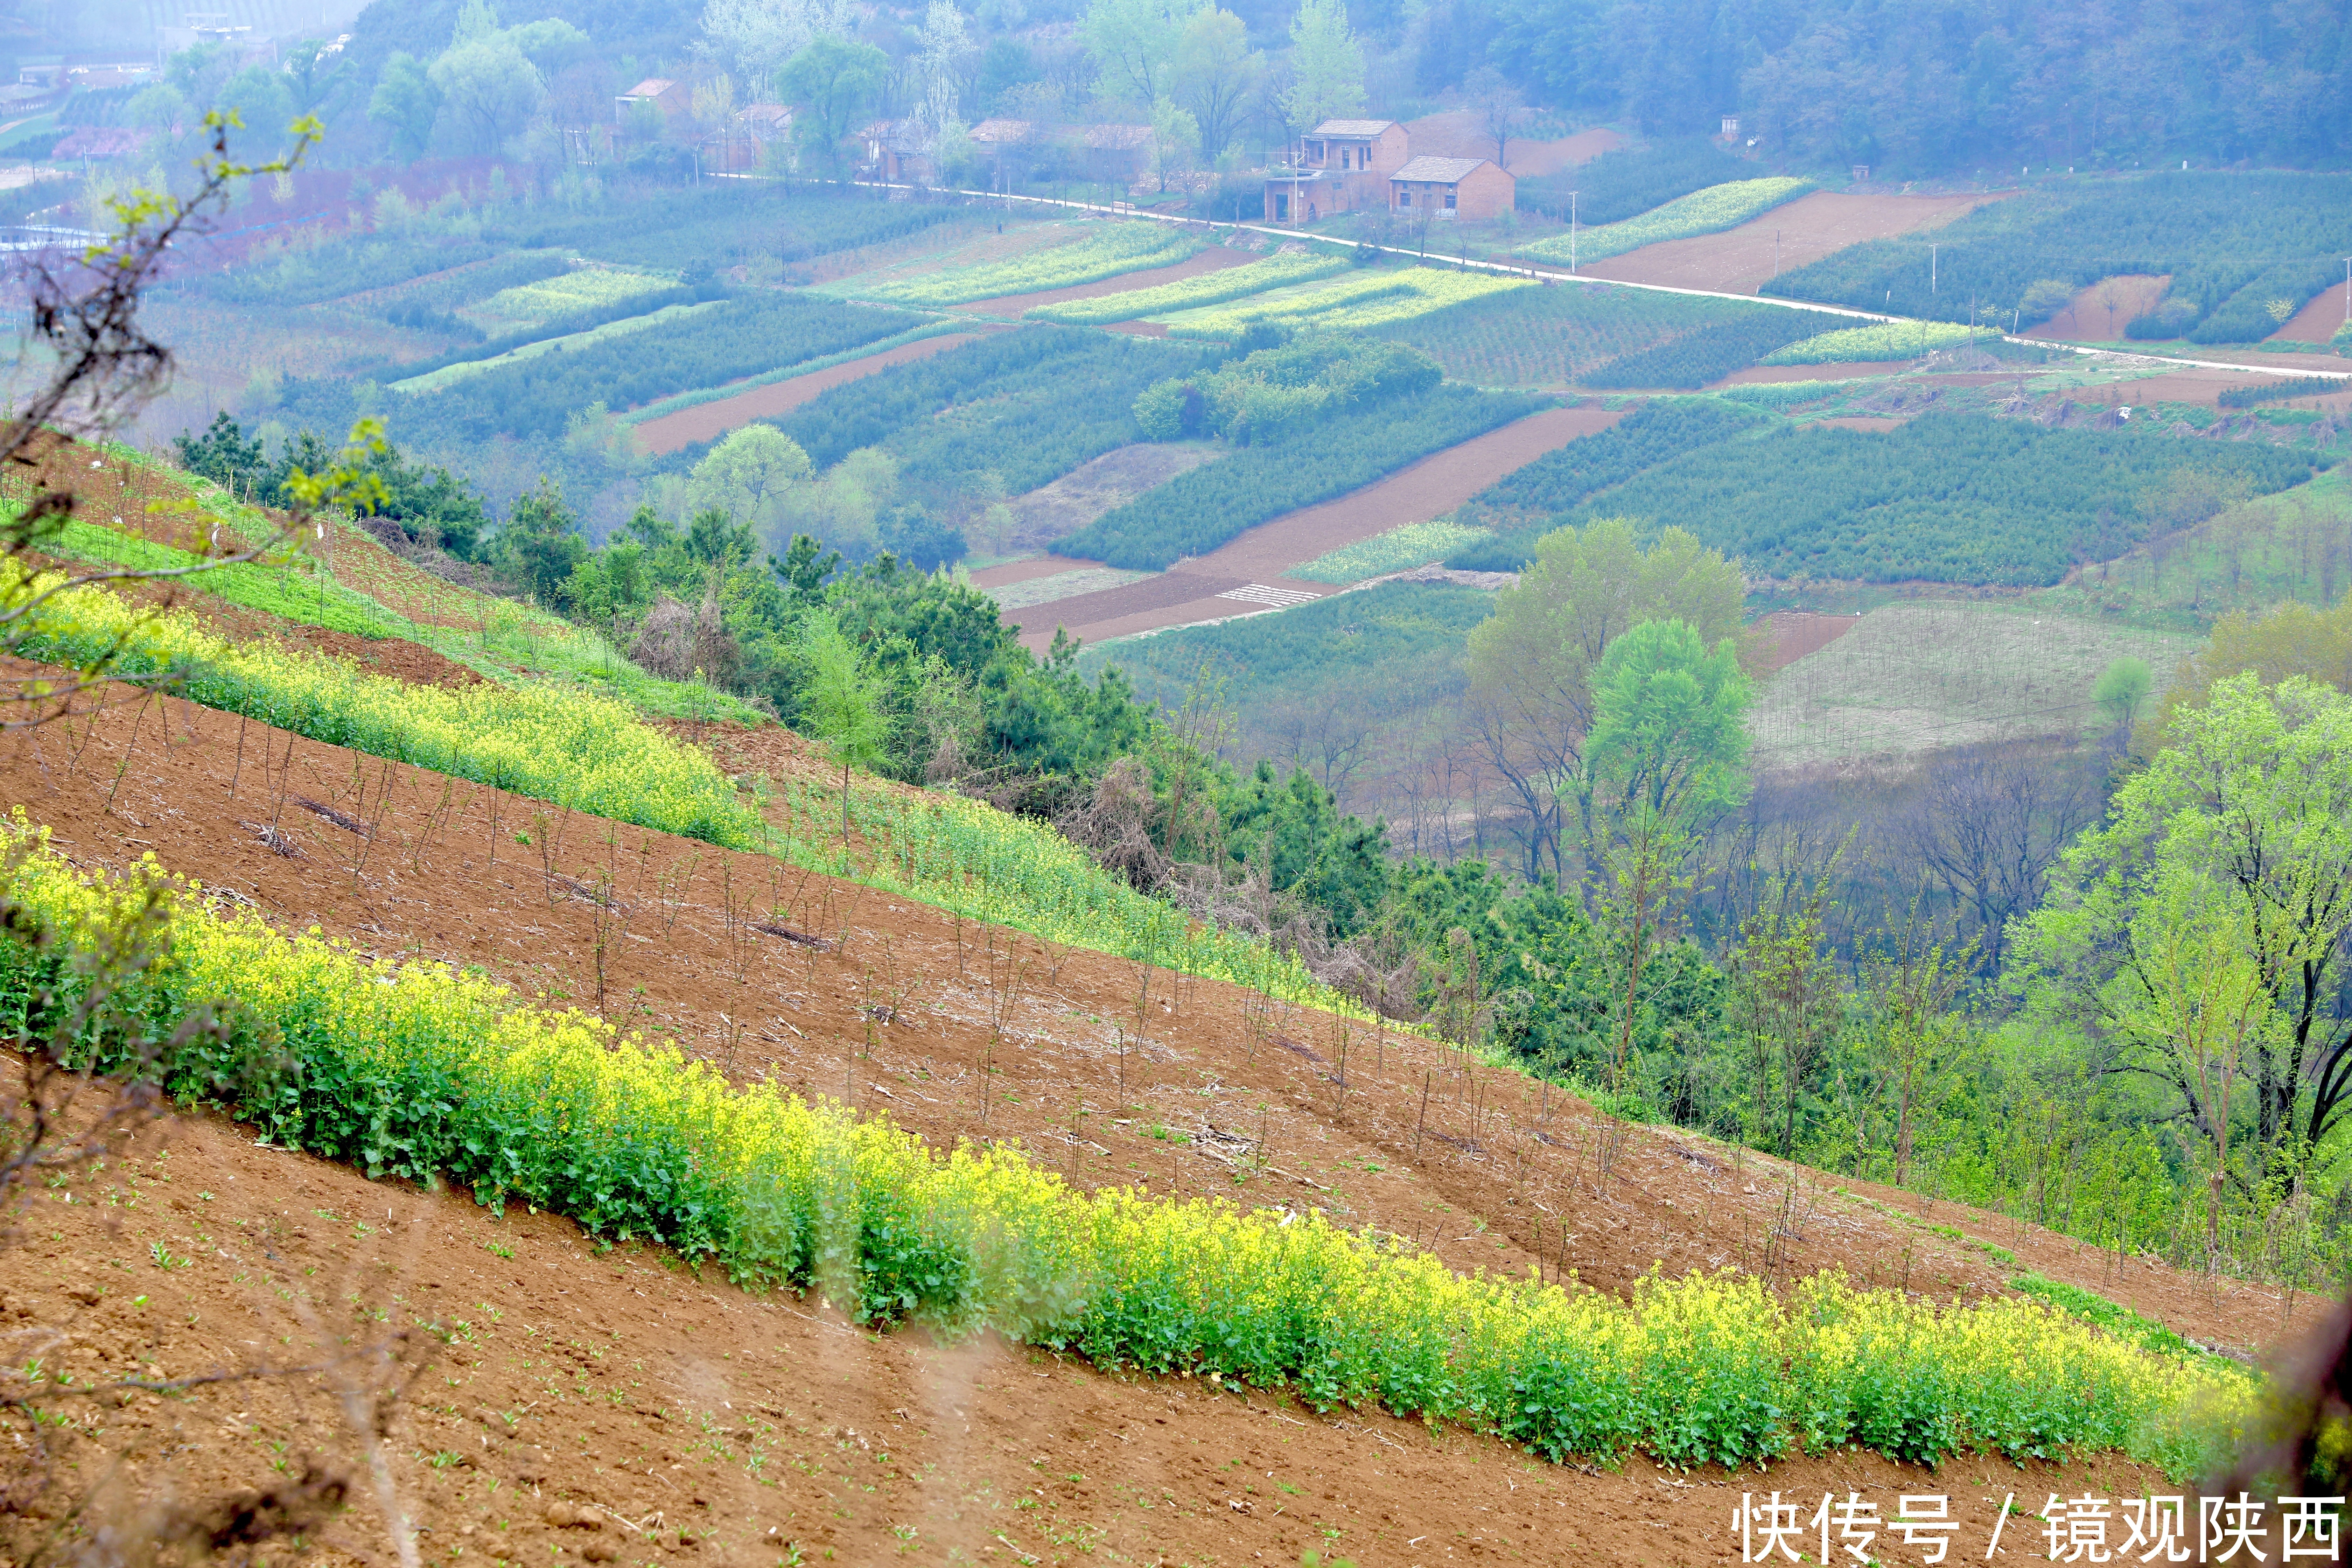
column 1199, row 510
column 1190, row 294
column 2242, row 250
column 417, row 1072
column 592, row 754
column 1093, row 252
column 1710, row 211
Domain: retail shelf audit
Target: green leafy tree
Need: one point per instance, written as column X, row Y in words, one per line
column 833, row 80
column 842, row 702
column 490, row 85
column 1134, row 43
column 1215, row 76
column 2243, row 820
column 407, row 103
column 1665, row 753
column 540, row 545
column 1531, row 664
column 1175, row 138
column 2122, row 691
column 1915, row 1041
column 748, row 475
column 1326, row 65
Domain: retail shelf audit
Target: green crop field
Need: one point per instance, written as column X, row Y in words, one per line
column 2233, row 244
column 1879, row 340
column 1188, row 293
column 1694, row 359
column 1364, row 300
column 1414, row 544
column 1195, row 512
column 1552, row 336
column 1708, row 211
column 1946, row 497
column 1931, row 675
column 1093, row 251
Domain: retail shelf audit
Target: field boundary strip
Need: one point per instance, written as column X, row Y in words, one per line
column 1520, row 270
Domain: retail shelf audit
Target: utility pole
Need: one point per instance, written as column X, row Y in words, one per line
column 1931, row 269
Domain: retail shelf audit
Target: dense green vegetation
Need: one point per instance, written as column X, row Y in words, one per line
column 1195, row 512
column 561, row 326
column 1710, row 211
column 1343, row 640
column 1947, row 497
column 1551, row 336
column 2233, row 243
column 1523, row 503
column 751, row 333
column 1261, row 393
column 1027, row 405
column 1632, row 180
column 2280, row 390
column 1713, row 352
column 689, row 230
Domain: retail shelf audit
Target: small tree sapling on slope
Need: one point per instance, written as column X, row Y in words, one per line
column 842, row 705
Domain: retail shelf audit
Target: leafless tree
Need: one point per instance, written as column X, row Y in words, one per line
column 1988, row 825
column 105, row 365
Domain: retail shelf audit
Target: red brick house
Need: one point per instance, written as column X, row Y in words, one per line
column 672, row 98
column 1451, row 188
column 1343, row 165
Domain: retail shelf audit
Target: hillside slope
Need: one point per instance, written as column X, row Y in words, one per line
column 569, row 1381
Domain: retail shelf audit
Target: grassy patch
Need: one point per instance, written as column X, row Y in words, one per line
column 1708, row 211
column 1414, row 544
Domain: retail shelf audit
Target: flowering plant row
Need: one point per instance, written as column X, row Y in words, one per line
column 417, row 1072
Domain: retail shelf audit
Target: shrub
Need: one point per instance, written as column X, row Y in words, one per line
column 2043, row 300
column 2278, row 391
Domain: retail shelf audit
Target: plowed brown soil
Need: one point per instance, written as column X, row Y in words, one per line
column 2318, row 321
column 617, row 1388
column 1740, row 260
column 709, row 421
column 1423, row 489
column 2088, row 318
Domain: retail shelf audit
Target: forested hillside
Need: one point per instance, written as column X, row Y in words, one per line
column 1962, row 88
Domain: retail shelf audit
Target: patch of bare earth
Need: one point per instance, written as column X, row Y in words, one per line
column 2099, row 314
column 709, row 421
column 1741, row 261
column 1053, row 510
column 1427, row 489
column 575, row 1403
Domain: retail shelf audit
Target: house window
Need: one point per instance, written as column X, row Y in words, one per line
column 1405, row 196
column 1449, row 198
column 1281, row 207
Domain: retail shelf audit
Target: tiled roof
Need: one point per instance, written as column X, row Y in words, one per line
column 1437, row 170
column 1351, row 128
column 651, row 87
